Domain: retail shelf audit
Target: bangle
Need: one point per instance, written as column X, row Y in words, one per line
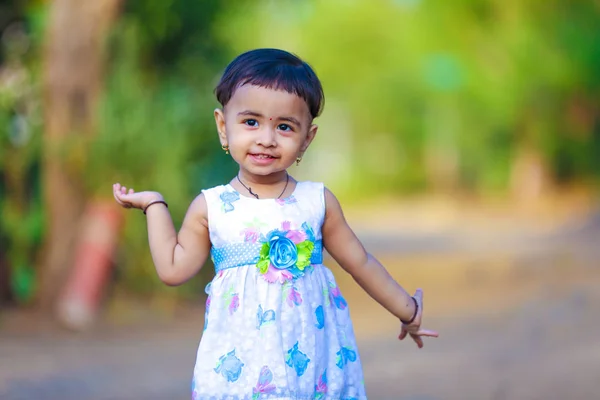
column 414, row 315
column 155, row 202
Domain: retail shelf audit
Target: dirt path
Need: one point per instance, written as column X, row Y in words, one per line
column 510, row 334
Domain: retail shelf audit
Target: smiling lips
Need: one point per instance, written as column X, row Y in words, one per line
column 262, row 158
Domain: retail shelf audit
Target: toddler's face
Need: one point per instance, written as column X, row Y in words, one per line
column 265, row 129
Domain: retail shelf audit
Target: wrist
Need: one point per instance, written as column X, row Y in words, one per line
column 157, row 200
column 415, row 311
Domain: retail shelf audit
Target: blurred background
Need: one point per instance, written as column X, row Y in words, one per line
column 463, row 139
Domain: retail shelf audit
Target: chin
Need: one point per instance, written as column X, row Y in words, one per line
column 262, row 171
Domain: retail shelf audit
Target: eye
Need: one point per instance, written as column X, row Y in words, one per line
column 251, row 122
column 284, row 127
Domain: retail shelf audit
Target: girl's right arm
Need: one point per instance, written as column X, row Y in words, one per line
column 177, row 256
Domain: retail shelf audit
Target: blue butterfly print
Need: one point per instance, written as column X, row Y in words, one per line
column 264, row 317
column 228, row 198
column 345, row 355
column 297, row 360
column 320, row 317
column 229, row 366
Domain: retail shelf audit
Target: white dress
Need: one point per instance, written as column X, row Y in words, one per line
column 276, row 324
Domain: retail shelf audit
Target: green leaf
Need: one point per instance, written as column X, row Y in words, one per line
column 263, row 266
column 304, row 252
column 264, row 251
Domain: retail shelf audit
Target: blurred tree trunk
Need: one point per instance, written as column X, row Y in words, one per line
column 73, row 80
column 530, row 176
column 5, row 295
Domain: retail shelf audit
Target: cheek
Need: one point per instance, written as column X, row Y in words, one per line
column 239, row 137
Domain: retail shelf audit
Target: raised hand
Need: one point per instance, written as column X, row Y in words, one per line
column 414, row 328
column 128, row 198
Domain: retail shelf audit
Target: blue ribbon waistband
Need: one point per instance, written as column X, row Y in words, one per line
column 240, row 254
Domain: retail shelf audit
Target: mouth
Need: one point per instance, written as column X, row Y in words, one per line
column 262, row 156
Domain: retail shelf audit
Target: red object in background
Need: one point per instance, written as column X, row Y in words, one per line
column 80, row 299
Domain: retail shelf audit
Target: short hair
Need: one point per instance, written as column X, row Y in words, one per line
column 272, row 69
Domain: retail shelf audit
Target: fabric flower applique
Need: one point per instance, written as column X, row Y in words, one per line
column 228, row 198
column 229, row 366
column 297, row 360
column 264, row 385
column 321, row 386
column 285, row 254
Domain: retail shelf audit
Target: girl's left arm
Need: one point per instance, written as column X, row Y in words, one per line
column 347, row 250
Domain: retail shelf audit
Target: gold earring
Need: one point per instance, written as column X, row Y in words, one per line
column 298, row 160
column 225, row 148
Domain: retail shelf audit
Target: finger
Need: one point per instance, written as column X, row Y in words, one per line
column 417, row 340
column 121, row 198
column 131, row 191
column 403, row 333
column 116, row 194
column 123, row 190
column 428, row 333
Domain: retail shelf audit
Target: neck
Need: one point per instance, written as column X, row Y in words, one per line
column 260, row 180
column 270, row 186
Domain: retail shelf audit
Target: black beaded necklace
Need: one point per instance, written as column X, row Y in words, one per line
column 249, row 189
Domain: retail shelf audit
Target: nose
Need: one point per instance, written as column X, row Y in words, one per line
column 266, row 137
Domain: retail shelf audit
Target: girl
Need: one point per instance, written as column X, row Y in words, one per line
column 276, row 324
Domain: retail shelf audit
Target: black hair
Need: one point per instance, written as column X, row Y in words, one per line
column 272, row 69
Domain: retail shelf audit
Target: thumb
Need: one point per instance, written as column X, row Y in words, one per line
column 419, row 296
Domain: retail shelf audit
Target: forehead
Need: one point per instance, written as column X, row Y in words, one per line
column 269, row 102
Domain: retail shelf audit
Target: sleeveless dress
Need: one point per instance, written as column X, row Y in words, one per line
column 276, row 324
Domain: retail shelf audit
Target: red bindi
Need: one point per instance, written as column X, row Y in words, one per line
column 271, row 119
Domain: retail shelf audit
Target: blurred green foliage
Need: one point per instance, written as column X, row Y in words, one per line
column 420, row 94
column 21, row 211
column 458, row 87
column 157, row 128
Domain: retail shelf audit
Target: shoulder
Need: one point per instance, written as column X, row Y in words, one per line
column 214, row 190
column 332, row 204
column 201, row 203
column 310, row 185
column 319, row 188
column 315, row 191
column 199, row 207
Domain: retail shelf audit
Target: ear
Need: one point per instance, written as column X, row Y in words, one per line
column 220, row 122
column 312, row 132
